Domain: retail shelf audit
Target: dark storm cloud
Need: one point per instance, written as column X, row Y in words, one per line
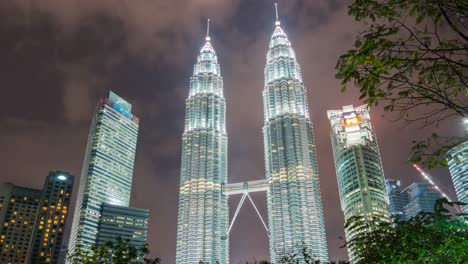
column 60, row 56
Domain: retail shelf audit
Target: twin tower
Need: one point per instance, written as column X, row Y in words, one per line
column 295, row 215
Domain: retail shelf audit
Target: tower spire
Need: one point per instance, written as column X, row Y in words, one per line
column 208, row 30
column 277, row 23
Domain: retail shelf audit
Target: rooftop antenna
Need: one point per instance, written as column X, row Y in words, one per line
column 277, row 23
column 208, row 30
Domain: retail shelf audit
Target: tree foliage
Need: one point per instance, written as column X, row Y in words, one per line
column 118, row 252
column 412, row 58
column 439, row 237
column 303, row 256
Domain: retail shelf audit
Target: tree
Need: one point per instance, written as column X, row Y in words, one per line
column 118, row 252
column 439, row 237
column 304, row 256
column 412, row 58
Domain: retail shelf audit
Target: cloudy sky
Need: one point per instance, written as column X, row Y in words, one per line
column 58, row 57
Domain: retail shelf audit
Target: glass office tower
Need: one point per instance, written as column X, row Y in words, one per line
column 359, row 170
column 203, row 208
column 459, row 172
column 422, row 197
column 397, row 199
column 124, row 222
column 107, row 170
column 294, row 201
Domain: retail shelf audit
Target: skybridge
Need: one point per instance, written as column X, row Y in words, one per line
column 245, row 188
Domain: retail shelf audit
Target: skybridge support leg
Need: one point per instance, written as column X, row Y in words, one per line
column 259, row 215
column 237, row 212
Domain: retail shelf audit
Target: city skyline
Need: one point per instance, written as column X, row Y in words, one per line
column 55, row 117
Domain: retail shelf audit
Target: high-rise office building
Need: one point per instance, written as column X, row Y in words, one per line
column 18, row 211
column 421, row 198
column 359, row 171
column 295, row 211
column 107, row 170
column 458, row 166
column 124, row 222
column 203, row 208
column 50, row 221
column 33, row 221
column 397, row 199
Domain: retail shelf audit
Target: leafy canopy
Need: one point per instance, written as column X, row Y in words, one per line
column 439, row 237
column 412, row 58
column 118, row 252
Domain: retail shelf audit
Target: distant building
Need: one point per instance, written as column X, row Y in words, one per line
column 50, row 221
column 397, row 199
column 107, row 170
column 32, row 221
column 18, row 211
column 359, row 171
column 127, row 223
column 422, row 198
column 459, row 172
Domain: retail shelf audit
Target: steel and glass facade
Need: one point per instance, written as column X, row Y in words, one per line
column 459, row 171
column 124, row 222
column 294, row 201
column 107, row 170
column 203, row 208
column 397, row 199
column 421, row 198
column 359, row 170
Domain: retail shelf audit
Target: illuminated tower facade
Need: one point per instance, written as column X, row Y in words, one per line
column 359, row 170
column 18, row 212
column 33, row 221
column 459, row 171
column 51, row 218
column 107, row 170
column 294, row 202
column 203, row 207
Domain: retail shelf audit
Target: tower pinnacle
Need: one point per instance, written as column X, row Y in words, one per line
column 208, row 30
column 277, row 23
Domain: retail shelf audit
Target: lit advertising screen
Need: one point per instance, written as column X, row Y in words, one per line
column 351, row 119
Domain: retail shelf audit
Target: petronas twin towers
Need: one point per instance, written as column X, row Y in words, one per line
column 295, row 216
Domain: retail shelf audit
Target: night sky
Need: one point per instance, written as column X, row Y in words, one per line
column 58, row 57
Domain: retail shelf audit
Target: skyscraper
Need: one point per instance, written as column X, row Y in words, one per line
column 359, row 171
column 32, row 221
column 124, row 222
column 203, row 208
column 107, row 170
column 18, row 211
column 50, row 221
column 422, row 198
column 397, row 199
column 294, row 202
column 459, row 171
